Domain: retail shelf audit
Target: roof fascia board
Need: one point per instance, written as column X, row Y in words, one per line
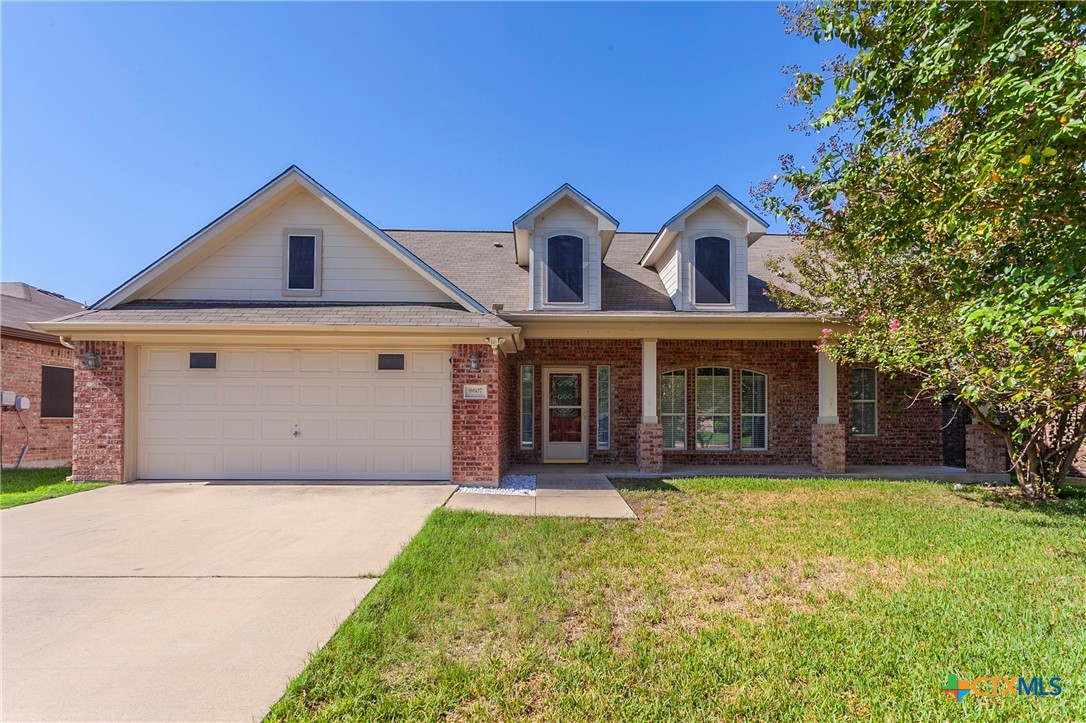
column 606, row 224
column 756, row 225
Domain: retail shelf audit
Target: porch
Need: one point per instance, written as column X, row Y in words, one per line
column 933, row 473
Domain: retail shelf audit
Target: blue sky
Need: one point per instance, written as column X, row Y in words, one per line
column 127, row 127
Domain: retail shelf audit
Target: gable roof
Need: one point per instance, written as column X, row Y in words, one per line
column 756, row 225
column 290, row 178
column 522, row 226
column 23, row 303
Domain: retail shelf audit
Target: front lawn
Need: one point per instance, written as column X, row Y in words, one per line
column 748, row 599
column 22, row 486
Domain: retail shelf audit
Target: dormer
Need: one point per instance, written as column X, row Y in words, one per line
column 563, row 240
column 701, row 253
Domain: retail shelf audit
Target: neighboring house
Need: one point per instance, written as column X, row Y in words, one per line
column 293, row 339
column 37, row 366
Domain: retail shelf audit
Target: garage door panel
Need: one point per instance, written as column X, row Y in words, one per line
column 238, row 361
column 163, row 360
column 354, row 429
column 354, row 361
column 353, row 395
column 201, row 394
column 203, row 428
column 238, row 421
column 240, row 394
column 429, row 395
column 277, row 361
column 277, row 394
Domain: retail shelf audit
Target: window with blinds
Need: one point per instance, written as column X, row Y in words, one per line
column 673, row 408
column 713, row 408
column 753, row 407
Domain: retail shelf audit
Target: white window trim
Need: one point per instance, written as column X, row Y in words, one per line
column 730, row 415
column 764, row 415
column 526, row 444
column 685, row 412
column 603, row 407
column 874, row 402
column 545, row 267
column 318, row 255
column 692, row 239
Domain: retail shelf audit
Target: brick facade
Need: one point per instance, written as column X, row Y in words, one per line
column 791, row 369
column 909, row 432
column 828, row 447
column 98, row 429
column 624, row 358
column 477, row 443
column 985, row 451
column 48, row 441
column 650, row 448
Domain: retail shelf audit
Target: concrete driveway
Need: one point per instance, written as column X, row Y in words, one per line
column 187, row 601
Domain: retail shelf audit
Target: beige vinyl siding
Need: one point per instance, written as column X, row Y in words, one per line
column 669, row 275
column 250, row 266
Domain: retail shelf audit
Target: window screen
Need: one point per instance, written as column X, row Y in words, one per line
column 753, row 405
column 713, row 407
column 673, row 408
column 565, row 269
column 864, row 402
column 712, row 270
column 302, row 262
column 390, row 362
column 57, row 384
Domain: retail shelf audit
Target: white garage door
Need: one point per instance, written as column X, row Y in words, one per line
column 294, row 414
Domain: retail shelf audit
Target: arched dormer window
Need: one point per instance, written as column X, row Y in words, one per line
column 712, row 270
column 565, row 269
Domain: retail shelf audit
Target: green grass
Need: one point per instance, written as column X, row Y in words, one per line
column 736, row 599
column 23, row 486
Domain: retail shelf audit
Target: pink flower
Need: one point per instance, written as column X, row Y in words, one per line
column 889, row 292
column 827, row 332
column 863, row 315
column 895, row 325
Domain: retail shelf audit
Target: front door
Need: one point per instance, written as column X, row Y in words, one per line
column 565, row 415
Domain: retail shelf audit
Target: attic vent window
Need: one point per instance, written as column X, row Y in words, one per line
column 302, row 262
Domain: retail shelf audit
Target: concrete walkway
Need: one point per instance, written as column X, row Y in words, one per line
column 187, row 601
column 558, row 495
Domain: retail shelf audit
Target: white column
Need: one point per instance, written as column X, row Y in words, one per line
column 648, row 382
column 827, row 390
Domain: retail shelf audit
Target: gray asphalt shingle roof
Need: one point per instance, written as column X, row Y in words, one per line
column 307, row 314
column 488, row 272
column 21, row 303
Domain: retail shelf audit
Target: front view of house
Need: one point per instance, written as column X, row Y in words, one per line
column 293, row 339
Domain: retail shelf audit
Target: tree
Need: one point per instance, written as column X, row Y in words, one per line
column 943, row 216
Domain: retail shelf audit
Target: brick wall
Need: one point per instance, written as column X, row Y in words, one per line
column 477, row 423
column 985, row 451
column 909, row 433
column 98, row 427
column 624, row 358
column 50, row 440
column 791, row 369
column 828, row 447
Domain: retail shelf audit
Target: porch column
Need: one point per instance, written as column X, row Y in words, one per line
column 985, row 452
column 828, row 437
column 650, row 433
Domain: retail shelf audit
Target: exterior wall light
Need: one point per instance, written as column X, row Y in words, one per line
column 92, row 360
column 474, row 361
